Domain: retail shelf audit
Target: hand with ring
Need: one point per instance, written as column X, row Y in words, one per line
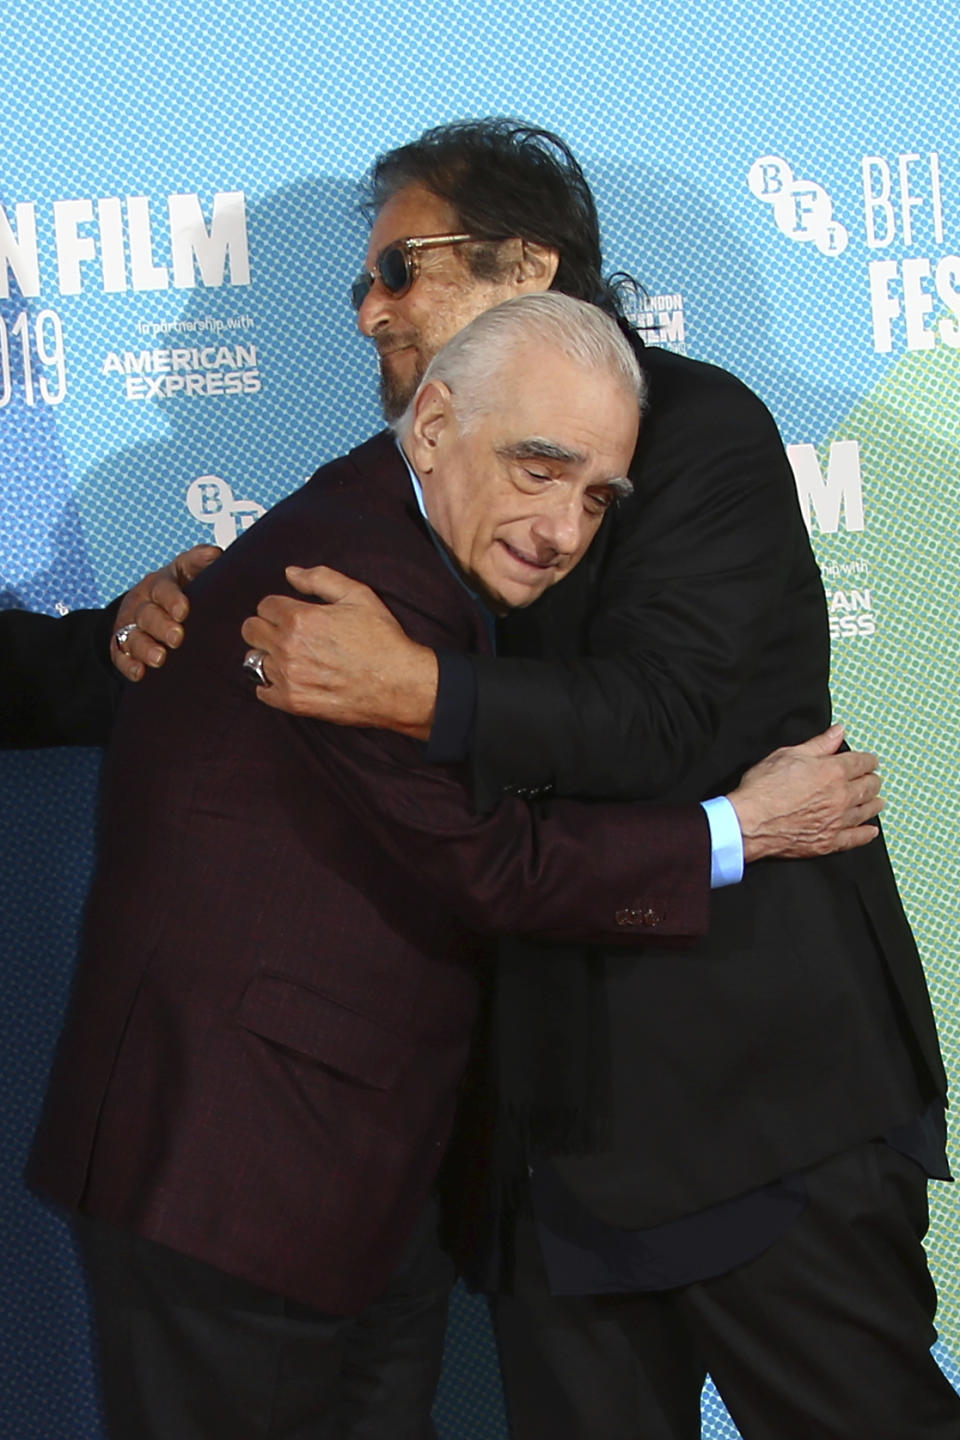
column 122, row 635
column 253, row 664
column 151, row 615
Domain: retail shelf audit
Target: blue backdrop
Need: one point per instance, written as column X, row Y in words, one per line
column 177, row 235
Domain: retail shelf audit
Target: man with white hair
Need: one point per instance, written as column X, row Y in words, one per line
column 258, row 1076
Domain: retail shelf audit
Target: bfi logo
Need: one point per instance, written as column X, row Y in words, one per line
column 211, row 501
column 802, row 209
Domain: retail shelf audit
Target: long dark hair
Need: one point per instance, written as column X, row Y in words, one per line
column 504, row 177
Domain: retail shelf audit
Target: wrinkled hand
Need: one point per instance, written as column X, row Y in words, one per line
column 158, row 607
column 349, row 661
column 807, row 800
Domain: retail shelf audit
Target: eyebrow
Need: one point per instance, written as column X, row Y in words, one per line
column 536, row 448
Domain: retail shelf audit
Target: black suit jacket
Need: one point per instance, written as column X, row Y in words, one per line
column 801, row 1024
column 58, row 685
column 261, row 1062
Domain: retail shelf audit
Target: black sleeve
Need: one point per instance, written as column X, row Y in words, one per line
column 58, row 684
column 451, row 737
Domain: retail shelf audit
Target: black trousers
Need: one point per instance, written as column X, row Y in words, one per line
column 189, row 1353
column 825, row 1336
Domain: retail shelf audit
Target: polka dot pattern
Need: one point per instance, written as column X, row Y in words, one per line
column 668, row 105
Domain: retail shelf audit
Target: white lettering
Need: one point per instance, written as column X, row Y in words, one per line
column 843, row 485
column 769, row 177
column 190, row 240
column 874, row 200
column 907, row 201
column 18, row 252
column 112, row 259
column 948, row 274
column 936, row 192
column 885, row 307
column 878, row 197
column 147, row 275
column 916, row 304
column 72, row 247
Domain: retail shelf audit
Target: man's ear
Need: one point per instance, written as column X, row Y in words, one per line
column 537, row 266
column 432, row 415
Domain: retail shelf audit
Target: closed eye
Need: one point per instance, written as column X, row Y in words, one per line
column 598, row 501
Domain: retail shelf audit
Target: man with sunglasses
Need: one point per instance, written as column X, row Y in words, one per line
column 724, row 1158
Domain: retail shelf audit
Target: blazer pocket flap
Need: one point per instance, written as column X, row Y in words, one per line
column 318, row 1027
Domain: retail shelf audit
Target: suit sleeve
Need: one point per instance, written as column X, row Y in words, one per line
column 696, row 565
column 568, row 870
column 59, row 687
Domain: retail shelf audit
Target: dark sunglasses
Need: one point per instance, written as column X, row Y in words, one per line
column 398, row 265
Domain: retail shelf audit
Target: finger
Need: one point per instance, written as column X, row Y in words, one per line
column 871, row 785
column 271, row 695
column 866, row 810
column 129, row 666
column 855, row 839
column 129, row 649
column 255, row 667
column 278, row 610
column 189, row 565
column 259, row 633
column 166, row 595
column 826, row 743
column 154, row 626
column 324, row 582
column 864, row 789
column 857, row 762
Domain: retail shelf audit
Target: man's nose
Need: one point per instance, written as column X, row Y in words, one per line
column 376, row 310
column 562, row 527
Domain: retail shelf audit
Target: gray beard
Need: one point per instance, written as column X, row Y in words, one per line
column 395, row 396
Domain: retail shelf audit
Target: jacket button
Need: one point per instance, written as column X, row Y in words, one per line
column 651, row 918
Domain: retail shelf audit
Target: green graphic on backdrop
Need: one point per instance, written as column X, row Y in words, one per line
column 897, row 688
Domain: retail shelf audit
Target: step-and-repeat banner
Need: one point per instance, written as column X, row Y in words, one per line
column 177, row 234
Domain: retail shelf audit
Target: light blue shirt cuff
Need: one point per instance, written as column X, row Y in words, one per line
column 726, row 843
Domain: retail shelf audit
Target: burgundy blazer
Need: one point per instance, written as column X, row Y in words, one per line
column 279, row 974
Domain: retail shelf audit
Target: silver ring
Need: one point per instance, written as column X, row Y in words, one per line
column 123, row 635
column 253, row 664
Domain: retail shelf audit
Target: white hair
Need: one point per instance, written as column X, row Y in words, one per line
column 470, row 363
